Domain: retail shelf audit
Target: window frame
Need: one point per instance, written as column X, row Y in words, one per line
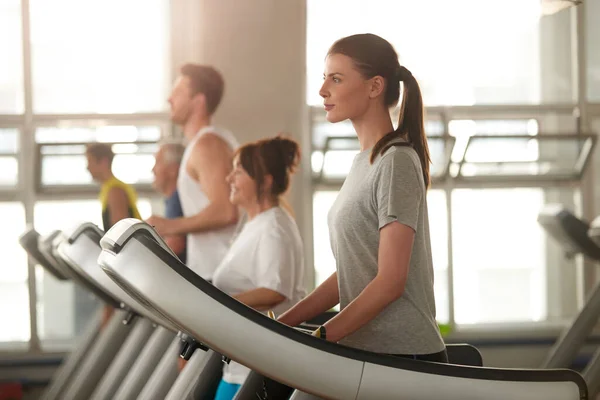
column 77, row 188
column 16, row 123
column 27, row 122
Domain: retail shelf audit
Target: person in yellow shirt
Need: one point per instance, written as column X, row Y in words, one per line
column 117, row 198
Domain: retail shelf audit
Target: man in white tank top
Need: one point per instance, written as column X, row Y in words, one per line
column 209, row 217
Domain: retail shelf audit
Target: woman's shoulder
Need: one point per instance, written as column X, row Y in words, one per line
column 279, row 224
column 400, row 155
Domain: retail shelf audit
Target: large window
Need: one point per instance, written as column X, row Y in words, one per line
column 9, row 165
column 11, row 67
column 498, row 255
column 14, row 297
column 461, row 51
column 95, row 71
column 99, row 56
column 63, row 161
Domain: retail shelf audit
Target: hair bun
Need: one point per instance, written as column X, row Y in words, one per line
column 290, row 151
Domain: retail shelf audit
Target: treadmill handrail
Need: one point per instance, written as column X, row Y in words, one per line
column 34, row 252
column 120, row 233
column 95, row 234
column 572, row 229
column 84, row 280
column 341, row 350
column 45, row 247
column 85, row 228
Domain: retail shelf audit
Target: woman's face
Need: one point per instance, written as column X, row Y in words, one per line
column 242, row 186
column 346, row 93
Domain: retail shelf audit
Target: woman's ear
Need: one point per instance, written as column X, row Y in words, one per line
column 377, row 86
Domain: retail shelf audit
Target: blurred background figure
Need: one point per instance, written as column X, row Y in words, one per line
column 118, row 199
column 166, row 170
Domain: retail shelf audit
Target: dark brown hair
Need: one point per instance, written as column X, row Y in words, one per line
column 100, row 151
column 206, row 80
column 375, row 56
column 276, row 156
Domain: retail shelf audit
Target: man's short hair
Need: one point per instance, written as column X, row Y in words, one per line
column 206, row 80
column 101, row 151
column 173, row 151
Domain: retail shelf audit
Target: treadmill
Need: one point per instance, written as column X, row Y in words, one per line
column 137, row 260
column 201, row 374
column 143, row 348
column 575, row 237
column 30, row 240
column 106, row 346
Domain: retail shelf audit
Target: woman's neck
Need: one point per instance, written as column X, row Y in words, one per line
column 259, row 207
column 372, row 126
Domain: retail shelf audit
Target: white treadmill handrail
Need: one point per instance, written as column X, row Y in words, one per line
column 75, row 230
column 45, row 246
column 122, row 231
column 78, row 259
column 78, row 275
column 30, row 242
column 142, row 268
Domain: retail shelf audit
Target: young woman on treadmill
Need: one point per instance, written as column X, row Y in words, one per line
column 378, row 225
column 264, row 267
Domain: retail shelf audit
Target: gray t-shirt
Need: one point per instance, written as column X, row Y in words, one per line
column 372, row 196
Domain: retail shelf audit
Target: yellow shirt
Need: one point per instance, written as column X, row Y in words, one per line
column 131, row 200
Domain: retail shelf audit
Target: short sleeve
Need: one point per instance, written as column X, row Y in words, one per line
column 275, row 264
column 399, row 190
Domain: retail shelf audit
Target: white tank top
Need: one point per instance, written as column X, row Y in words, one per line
column 205, row 250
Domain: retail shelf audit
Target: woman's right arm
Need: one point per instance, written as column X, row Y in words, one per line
column 322, row 299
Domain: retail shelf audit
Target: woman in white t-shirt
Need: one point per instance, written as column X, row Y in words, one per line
column 264, row 268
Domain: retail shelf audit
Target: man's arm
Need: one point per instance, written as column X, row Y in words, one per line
column 118, row 205
column 176, row 243
column 210, row 163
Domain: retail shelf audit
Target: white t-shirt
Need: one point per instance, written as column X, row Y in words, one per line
column 267, row 253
